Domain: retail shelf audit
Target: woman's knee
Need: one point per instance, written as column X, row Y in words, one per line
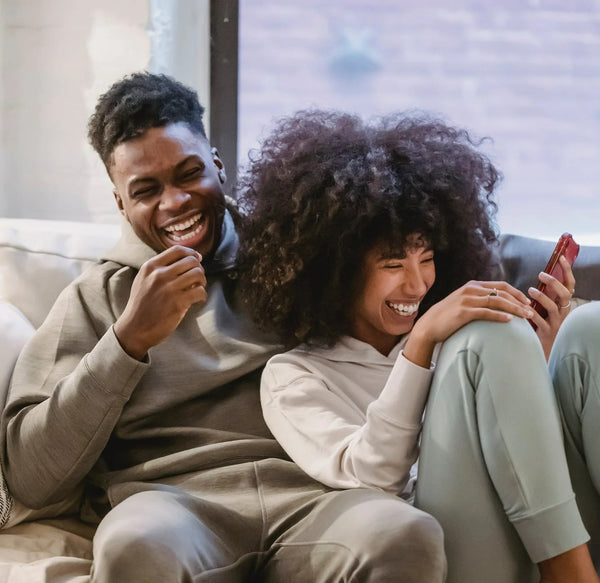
column 578, row 334
column 482, row 336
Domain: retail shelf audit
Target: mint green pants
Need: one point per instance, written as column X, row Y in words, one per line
column 492, row 468
column 575, row 368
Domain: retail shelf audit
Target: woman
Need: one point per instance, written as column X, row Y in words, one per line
column 366, row 249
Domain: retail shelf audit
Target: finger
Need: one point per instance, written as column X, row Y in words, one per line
column 490, row 315
column 569, row 277
column 191, row 278
column 509, row 305
column 185, row 264
column 544, row 300
column 504, row 298
column 541, row 323
column 504, row 289
column 174, row 254
column 555, row 290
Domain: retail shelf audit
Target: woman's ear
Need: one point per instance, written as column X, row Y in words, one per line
column 219, row 164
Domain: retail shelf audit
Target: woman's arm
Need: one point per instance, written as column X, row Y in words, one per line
column 322, row 425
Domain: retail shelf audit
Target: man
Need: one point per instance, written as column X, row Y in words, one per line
column 142, row 388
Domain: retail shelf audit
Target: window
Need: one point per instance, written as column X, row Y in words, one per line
column 525, row 74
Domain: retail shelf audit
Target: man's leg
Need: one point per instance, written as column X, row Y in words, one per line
column 348, row 536
column 492, row 468
column 165, row 535
column 575, row 368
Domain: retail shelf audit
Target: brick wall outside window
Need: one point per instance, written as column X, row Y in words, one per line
column 524, row 72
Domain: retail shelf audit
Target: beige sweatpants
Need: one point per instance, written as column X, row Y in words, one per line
column 264, row 522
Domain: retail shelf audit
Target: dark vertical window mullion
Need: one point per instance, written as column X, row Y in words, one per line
column 224, row 16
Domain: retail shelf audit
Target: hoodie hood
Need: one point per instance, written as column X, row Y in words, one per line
column 130, row 250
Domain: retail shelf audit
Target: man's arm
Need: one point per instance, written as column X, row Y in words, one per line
column 73, row 380
column 67, row 393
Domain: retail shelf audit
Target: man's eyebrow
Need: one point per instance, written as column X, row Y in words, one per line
column 139, row 180
column 192, row 157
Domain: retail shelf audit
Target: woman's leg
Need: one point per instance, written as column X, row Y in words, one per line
column 575, row 368
column 492, row 468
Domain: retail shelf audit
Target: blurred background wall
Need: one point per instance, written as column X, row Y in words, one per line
column 524, row 72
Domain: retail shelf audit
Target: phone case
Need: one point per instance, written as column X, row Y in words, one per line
column 566, row 246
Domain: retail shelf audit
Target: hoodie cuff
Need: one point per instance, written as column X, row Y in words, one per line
column 112, row 368
column 405, row 392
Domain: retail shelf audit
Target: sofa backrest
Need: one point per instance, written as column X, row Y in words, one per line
column 38, row 258
column 524, row 257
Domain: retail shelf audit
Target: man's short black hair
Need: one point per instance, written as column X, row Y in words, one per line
column 138, row 102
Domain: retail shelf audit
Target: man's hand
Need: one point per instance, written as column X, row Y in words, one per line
column 162, row 293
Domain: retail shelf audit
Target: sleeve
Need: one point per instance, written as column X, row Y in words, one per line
column 68, row 389
column 335, row 443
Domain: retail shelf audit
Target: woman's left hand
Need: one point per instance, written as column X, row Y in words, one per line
column 558, row 309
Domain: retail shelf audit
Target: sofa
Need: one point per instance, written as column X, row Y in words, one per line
column 38, row 258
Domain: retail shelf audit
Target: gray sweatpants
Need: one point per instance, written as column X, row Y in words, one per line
column 575, row 367
column 264, row 522
column 492, row 467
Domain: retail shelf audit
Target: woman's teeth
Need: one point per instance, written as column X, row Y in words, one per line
column 404, row 309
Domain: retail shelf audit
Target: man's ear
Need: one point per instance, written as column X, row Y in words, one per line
column 119, row 202
column 219, row 164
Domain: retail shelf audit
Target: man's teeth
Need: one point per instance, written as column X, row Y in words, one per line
column 404, row 309
column 172, row 229
column 186, row 225
column 187, row 235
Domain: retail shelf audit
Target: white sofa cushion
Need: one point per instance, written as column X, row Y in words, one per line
column 39, row 258
column 15, row 331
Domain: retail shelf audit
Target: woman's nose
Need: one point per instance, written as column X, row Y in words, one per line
column 415, row 283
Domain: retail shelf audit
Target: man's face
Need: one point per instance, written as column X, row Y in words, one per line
column 168, row 186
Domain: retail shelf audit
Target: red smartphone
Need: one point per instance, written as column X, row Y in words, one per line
column 566, row 246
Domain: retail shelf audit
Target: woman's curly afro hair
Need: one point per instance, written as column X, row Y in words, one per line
column 326, row 187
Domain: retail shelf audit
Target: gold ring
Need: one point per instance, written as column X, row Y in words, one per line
column 494, row 292
column 567, row 305
column 572, row 291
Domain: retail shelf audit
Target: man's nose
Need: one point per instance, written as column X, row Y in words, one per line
column 173, row 197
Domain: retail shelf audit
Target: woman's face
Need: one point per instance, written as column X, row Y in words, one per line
column 393, row 287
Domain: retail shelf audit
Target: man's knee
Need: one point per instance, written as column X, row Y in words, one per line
column 139, row 540
column 399, row 543
column 415, row 549
column 132, row 555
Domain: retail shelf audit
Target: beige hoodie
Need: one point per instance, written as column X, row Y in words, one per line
column 80, row 410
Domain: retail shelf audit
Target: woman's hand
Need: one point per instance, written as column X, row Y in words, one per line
column 558, row 309
column 496, row 301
